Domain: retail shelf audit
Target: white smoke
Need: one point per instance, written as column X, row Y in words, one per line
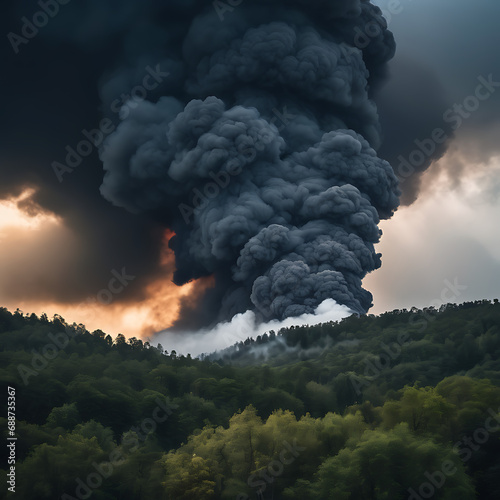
column 243, row 326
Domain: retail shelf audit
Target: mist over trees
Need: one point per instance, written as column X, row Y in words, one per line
column 368, row 408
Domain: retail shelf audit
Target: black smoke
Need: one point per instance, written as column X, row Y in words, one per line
column 261, row 151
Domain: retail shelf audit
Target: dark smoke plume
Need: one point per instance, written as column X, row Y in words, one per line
column 260, row 155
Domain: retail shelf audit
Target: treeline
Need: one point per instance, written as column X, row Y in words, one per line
column 370, row 407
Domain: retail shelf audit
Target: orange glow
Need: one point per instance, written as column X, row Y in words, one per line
column 162, row 306
column 12, row 217
column 157, row 311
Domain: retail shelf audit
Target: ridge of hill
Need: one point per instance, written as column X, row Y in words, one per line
column 368, row 402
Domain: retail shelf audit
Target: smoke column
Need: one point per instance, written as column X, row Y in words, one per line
column 261, row 153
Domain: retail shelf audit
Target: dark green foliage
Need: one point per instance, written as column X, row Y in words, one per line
column 372, row 403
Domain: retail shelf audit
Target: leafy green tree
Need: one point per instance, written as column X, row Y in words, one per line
column 385, row 465
column 65, row 416
column 423, row 409
column 472, row 398
column 189, row 476
column 53, row 470
column 93, row 429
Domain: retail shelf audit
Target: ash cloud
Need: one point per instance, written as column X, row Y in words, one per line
column 261, row 154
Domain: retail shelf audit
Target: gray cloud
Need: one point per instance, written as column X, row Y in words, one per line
column 443, row 47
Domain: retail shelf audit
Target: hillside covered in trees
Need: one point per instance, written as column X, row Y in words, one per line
column 401, row 406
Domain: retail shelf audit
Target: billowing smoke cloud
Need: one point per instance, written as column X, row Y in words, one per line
column 260, row 154
column 242, row 327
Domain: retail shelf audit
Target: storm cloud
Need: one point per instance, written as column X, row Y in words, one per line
column 444, row 48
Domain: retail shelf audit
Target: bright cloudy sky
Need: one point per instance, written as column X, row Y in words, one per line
column 451, row 232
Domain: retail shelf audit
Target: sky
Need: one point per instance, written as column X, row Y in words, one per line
column 65, row 249
column 451, row 232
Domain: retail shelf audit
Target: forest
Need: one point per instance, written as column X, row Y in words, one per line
column 405, row 405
